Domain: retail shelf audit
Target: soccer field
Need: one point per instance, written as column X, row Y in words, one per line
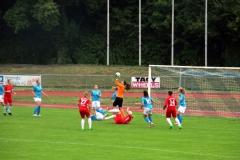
column 57, row 135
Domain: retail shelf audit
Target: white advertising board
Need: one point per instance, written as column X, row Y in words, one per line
column 142, row 82
column 21, row 80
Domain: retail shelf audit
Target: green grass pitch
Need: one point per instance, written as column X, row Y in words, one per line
column 57, row 135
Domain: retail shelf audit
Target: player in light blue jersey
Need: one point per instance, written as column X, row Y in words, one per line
column 1, row 94
column 182, row 104
column 37, row 92
column 95, row 98
column 147, row 102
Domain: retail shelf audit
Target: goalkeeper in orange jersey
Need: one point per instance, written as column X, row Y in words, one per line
column 119, row 97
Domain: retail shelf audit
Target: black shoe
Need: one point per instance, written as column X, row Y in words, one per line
column 10, row 114
column 4, row 114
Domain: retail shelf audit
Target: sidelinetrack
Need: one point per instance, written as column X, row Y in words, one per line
column 130, row 94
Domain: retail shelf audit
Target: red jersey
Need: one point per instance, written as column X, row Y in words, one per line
column 119, row 120
column 8, row 88
column 170, row 102
column 83, row 102
column 127, row 119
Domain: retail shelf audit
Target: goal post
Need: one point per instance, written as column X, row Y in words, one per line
column 210, row 91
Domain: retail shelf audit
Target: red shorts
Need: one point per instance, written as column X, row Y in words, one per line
column 118, row 119
column 7, row 100
column 84, row 112
column 171, row 111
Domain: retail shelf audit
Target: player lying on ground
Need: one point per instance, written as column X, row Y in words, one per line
column 117, row 116
column 99, row 114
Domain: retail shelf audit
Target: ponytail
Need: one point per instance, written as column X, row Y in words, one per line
column 127, row 86
column 182, row 90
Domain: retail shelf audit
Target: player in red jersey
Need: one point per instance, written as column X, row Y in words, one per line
column 123, row 120
column 84, row 110
column 171, row 104
column 8, row 90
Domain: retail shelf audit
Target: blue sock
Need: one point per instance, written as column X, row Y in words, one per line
column 38, row 110
column 180, row 119
column 93, row 118
column 35, row 110
column 147, row 120
column 150, row 118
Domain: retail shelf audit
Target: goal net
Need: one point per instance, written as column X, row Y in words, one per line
column 210, row 91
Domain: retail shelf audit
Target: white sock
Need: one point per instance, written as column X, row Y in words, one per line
column 4, row 109
column 176, row 119
column 169, row 121
column 82, row 123
column 10, row 109
column 110, row 117
column 89, row 122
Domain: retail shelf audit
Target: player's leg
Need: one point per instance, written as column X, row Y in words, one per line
column 94, row 106
column 99, row 116
column 120, row 107
column 114, row 111
column 87, row 113
column 10, row 106
column 38, row 106
column 181, row 111
column 168, row 116
column 145, row 116
column 5, row 106
column 150, row 118
column 82, row 114
column 174, row 114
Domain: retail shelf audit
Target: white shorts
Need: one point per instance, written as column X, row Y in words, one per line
column 95, row 104
column 99, row 116
column 37, row 99
column 181, row 109
column 1, row 98
column 147, row 111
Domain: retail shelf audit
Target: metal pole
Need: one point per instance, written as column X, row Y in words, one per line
column 107, row 32
column 140, row 43
column 172, row 47
column 149, row 80
column 206, row 33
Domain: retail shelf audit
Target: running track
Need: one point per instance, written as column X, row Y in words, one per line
column 129, row 94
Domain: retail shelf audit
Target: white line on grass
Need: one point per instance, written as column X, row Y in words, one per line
column 139, row 148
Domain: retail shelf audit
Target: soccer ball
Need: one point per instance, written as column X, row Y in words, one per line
column 117, row 74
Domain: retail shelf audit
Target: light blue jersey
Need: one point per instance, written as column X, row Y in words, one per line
column 1, row 90
column 95, row 95
column 114, row 95
column 37, row 90
column 182, row 102
column 147, row 101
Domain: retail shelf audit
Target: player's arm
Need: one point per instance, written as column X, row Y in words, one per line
column 100, row 94
column 176, row 103
column 89, row 106
column 44, row 94
column 11, row 91
column 179, row 97
column 142, row 105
